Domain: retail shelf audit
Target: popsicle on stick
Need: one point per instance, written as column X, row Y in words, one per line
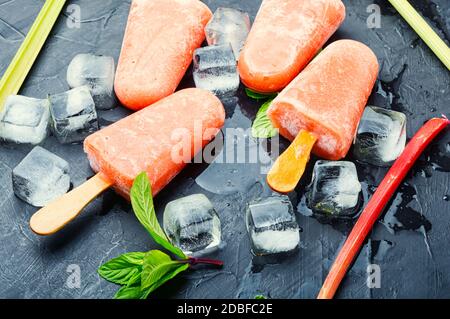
column 327, row 99
column 148, row 140
column 159, row 40
column 286, row 35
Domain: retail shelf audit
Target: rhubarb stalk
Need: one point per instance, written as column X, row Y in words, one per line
column 378, row 202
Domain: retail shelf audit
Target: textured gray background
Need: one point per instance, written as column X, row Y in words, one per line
column 410, row 243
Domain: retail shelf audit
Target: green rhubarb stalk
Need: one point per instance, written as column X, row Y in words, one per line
column 415, row 20
column 22, row 62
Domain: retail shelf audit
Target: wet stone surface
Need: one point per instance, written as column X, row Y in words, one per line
column 409, row 243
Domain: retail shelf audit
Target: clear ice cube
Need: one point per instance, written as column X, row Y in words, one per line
column 40, row 177
column 215, row 70
column 73, row 115
column 192, row 224
column 96, row 72
column 381, row 136
column 228, row 26
column 272, row 225
column 334, row 189
column 24, row 120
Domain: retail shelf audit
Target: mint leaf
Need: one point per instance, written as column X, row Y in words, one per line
column 158, row 268
column 259, row 96
column 128, row 293
column 262, row 126
column 142, row 202
column 123, row 270
column 260, row 297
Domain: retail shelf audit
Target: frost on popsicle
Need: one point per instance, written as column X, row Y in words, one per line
column 41, row 177
column 381, row 136
column 73, row 115
column 335, row 189
column 215, row 70
column 228, row 26
column 24, row 120
column 272, row 226
column 192, row 224
column 96, row 72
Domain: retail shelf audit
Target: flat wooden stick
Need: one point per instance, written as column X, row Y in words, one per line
column 51, row 218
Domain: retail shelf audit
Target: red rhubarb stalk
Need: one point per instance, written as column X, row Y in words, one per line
column 378, row 202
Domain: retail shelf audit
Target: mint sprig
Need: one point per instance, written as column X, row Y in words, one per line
column 259, row 96
column 262, row 126
column 142, row 202
column 141, row 273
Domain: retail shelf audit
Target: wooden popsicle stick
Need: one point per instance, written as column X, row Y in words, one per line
column 51, row 218
column 285, row 174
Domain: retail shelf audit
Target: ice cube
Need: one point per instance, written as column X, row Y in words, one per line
column 228, row 26
column 97, row 72
column 40, row 177
column 73, row 115
column 24, row 120
column 272, row 225
column 215, row 70
column 381, row 136
column 192, row 224
column 334, row 189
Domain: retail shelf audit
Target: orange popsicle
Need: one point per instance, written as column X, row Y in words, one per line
column 286, row 35
column 144, row 141
column 328, row 98
column 159, row 140
column 160, row 38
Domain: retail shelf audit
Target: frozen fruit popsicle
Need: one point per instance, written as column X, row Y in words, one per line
column 326, row 100
column 152, row 140
column 286, row 35
column 160, row 38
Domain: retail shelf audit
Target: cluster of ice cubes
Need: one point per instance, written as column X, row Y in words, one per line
column 24, row 120
column 215, row 67
column 192, row 224
column 335, row 189
column 72, row 115
column 272, row 226
column 96, row 72
column 381, row 136
column 40, row 177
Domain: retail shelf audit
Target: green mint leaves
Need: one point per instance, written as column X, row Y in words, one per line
column 259, row 96
column 142, row 202
column 262, row 126
column 141, row 273
column 123, row 270
column 158, row 268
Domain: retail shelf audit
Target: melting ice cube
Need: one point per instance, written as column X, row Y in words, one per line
column 381, row 136
column 192, row 224
column 97, row 72
column 40, row 177
column 335, row 189
column 215, row 70
column 24, row 120
column 73, row 115
column 272, row 225
column 228, row 26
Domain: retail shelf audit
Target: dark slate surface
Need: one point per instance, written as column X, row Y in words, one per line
column 410, row 243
